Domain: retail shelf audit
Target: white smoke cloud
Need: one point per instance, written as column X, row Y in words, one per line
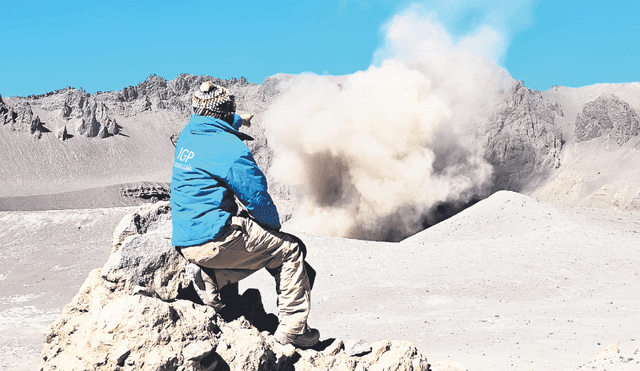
column 466, row 18
column 373, row 153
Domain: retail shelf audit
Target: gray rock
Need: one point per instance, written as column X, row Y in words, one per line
column 146, row 190
column 88, row 128
column 144, row 219
column 21, row 118
column 197, row 351
column 65, row 112
column 121, row 354
column 334, row 348
column 523, row 140
column 62, row 134
column 355, row 348
column 609, row 116
column 96, row 122
column 146, row 259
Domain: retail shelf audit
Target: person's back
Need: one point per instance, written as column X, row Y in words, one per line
column 212, row 168
column 211, row 158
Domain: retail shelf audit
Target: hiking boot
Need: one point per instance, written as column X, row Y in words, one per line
column 206, row 286
column 306, row 340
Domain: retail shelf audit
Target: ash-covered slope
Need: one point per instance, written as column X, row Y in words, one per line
column 607, row 116
column 69, row 140
column 599, row 163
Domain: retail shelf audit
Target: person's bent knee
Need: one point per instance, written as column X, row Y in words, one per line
column 292, row 249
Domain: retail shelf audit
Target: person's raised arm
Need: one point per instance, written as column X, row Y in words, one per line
column 249, row 184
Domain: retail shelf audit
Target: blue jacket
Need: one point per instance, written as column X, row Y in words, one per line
column 211, row 165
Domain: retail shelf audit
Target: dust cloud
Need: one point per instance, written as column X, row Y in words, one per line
column 375, row 155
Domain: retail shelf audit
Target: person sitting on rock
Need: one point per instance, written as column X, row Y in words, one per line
column 224, row 239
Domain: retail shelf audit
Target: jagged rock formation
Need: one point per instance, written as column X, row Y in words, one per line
column 523, row 140
column 608, row 115
column 97, row 111
column 156, row 93
column 62, row 134
column 96, row 122
column 146, row 190
column 135, row 314
column 141, row 122
column 145, row 219
column 95, row 115
column 21, row 118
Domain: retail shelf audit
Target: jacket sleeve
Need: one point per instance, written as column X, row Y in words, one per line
column 249, row 184
column 237, row 121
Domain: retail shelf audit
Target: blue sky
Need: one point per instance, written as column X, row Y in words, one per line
column 108, row 45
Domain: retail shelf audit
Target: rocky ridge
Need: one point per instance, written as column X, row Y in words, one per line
column 137, row 313
column 97, row 112
column 110, row 138
column 525, row 140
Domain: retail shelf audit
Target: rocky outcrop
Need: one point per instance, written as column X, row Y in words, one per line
column 146, row 190
column 146, row 219
column 138, row 313
column 94, row 119
column 523, row 140
column 4, row 110
column 612, row 358
column 608, row 116
column 21, row 118
column 72, row 103
column 96, row 114
column 62, row 134
column 156, row 93
column 95, row 122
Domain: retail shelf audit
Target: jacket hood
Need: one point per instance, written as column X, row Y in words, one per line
column 208, row 124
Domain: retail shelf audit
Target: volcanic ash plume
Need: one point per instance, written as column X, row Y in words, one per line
column 374, row 153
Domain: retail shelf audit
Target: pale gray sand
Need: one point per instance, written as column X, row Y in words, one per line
column 510, row 283
column 44, row 258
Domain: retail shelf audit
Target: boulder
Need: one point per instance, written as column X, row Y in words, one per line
column 142, row 255
column 145, row 219
column 134, row 313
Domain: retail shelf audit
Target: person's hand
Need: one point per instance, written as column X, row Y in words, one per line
column 246, row 119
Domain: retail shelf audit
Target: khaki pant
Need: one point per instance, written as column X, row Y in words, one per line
column 246, row 247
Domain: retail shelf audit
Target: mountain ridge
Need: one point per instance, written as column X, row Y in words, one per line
column 70, row 140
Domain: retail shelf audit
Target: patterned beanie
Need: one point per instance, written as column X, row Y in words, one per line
column 215, row 101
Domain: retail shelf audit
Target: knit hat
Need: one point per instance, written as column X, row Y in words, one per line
column 215, row 101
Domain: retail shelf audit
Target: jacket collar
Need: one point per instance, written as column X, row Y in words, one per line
column 208, row 124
